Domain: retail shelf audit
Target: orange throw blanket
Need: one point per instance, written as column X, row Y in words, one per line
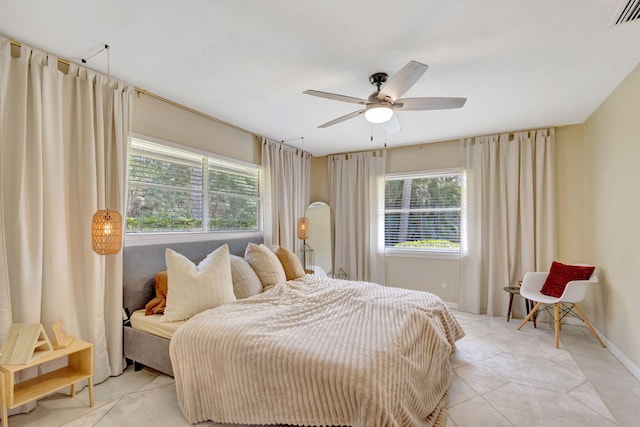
column 157, row 305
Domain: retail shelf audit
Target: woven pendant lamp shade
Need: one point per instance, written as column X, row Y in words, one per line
column 106, row 232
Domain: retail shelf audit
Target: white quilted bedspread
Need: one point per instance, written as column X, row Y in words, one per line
column 318, row 351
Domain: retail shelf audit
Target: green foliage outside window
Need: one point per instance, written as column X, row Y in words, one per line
column 428, row 244
column 169, row 189
column 423, row 212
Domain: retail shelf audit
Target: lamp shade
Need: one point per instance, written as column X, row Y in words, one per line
column 378, row 114
column 106, row 232
column 303, row 228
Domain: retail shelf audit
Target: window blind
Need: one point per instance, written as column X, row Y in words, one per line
column 176, row 190
column 423, row 211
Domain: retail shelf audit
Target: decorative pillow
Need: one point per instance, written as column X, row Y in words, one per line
column 157, row 305
column 291, row 264
column 245, row 281
column 561, row 274
column 194, row 289
column 266, row 265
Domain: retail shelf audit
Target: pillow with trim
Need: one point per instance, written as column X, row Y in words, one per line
column 561, row 274
column 193, row 289
column 266, row 265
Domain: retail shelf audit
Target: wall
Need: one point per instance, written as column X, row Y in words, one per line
column 570, row 203
column 612, row 225
column 319, row 186
column 153, row 117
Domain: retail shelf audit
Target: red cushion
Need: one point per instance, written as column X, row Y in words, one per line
column 561, row 274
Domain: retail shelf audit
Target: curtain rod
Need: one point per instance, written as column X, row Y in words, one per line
column 374, row 151
column 140, row 91
column 60, row 60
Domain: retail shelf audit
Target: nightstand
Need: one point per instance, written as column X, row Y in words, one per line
column 79, row 367
column 515, row 290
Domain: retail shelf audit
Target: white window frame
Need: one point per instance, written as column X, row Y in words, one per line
column 167, row 237
column 424, row 252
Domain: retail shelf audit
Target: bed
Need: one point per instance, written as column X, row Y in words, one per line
column 318, row 351
column 140, row 265
column 307, row 351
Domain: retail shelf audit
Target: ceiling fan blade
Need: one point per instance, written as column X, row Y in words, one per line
column 342, row 119
column 336, row 97
column 401, row 81
column 392, row 126
column 428, row 103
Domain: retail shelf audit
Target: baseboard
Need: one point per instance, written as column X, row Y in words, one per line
column 635, row 370
column 452, row 305
column 631, row 367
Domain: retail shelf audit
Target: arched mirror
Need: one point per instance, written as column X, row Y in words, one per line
column 321, row 234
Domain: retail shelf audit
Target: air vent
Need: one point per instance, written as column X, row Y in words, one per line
column 629, row 12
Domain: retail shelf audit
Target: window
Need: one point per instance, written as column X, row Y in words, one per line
column 175, row 190
column 422, row 212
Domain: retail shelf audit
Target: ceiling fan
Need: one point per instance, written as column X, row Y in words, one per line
column 381, row 103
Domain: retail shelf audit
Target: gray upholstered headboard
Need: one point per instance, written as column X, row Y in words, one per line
column 141, row 263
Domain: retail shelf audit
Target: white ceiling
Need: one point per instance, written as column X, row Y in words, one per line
column 521, row 64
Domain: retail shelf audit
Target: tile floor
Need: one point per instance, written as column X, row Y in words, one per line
column 505, row 377
column 502, row 377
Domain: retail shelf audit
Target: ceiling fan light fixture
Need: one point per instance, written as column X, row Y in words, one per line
column 378, row 114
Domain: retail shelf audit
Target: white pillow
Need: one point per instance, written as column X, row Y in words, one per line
column 246, row 282
column 194, row 289
column 266, row 265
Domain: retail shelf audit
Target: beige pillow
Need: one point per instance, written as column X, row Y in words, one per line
column 192, row 288
column 246, row 282
column 266, row 265
column 291, row 264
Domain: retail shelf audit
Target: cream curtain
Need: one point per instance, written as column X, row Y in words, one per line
column 508, row 215
column 356, row 192
column 286, row 172
column 63, row 143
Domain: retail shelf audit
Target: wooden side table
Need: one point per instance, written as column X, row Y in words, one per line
column 79, row 367
column 515, row 290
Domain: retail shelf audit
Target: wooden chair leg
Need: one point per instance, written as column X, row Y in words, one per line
column 531, row 313
column 560, row 322
column 556, row 312
column 586, row 322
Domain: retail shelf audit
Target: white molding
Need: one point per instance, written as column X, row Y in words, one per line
column 422, row 253
column 143, row 239
column 632, row 367
column 431, row 173
column 452, row 305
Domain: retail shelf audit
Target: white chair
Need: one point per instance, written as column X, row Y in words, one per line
column 565, row 305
